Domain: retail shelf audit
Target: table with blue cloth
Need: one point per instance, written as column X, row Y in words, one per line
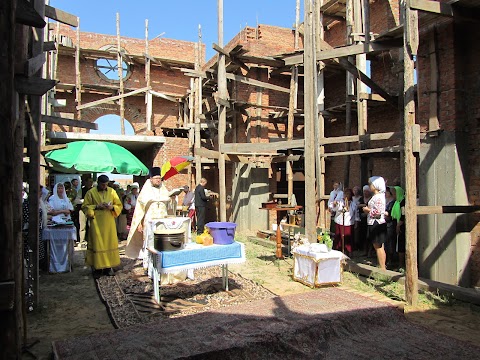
column 60, row 240
column 194, row 256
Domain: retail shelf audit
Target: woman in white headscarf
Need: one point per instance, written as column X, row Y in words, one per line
column 59, row 202
column 377, row 226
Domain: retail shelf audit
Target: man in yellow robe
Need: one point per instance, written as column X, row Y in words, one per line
column 101, row 206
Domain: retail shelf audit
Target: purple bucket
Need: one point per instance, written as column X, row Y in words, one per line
column 223, row 233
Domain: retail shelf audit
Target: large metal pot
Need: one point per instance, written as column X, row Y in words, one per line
column 169, row 240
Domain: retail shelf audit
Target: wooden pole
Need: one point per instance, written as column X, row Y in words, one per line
column 11, row 124
column 78, row 78
column 310, row 77
column 196, row 107
column 120, row 77
column 410, row 38
column 349, row 92
column 319, row 125
column 222, row 115
column 297, row 24
column 290, row 124
column 148, row 94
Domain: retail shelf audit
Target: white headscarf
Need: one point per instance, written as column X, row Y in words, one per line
column 58, row 203
column 378, row 183
column 41, row 203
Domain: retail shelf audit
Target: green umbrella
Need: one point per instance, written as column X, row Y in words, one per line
column 95, row 157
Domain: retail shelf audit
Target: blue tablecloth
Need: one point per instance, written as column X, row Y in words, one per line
column 197, row 256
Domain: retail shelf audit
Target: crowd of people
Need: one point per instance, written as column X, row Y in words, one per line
column 371, row 219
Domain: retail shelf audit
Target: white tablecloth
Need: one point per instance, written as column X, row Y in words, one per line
column 317, row 268
column 60, row 239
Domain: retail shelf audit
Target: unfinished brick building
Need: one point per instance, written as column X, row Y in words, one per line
column 259, row 78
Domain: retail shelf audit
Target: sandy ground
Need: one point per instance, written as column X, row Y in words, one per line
column 70, row 306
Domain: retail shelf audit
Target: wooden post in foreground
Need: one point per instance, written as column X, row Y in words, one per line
column 310, row 78
column 222, row 116
column 410, row 38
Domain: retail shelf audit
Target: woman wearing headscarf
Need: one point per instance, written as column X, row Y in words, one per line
column 335, row 195
column 377, row 226
column 59, row 202
column 362, row 224
column 398, row 214
column 345, row 216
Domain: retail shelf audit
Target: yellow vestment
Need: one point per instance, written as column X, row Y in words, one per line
column 102, row 248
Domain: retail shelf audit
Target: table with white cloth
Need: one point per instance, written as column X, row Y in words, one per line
column 194, row 256
column 60, row 243
column 315, row 268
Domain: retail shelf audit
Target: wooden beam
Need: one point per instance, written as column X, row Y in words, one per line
column 455, row 209
column 213, row 154
column 34, row 64
column 285, row 158
column 47, row 148
column 61, row 16
column 27, row 15
column 249, row 148
column 49, row 46
column 432, row 7
column 163, row 96
column 258, row 83
column 112, row 98
column 220, row 50
column 361, row 138
column 352, row 69
column 388, row 149
column 33, row 86
column 69, row 122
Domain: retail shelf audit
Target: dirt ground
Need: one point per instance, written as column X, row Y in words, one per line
column 70, row 305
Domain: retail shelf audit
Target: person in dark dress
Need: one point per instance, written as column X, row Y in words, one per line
column 201, row 201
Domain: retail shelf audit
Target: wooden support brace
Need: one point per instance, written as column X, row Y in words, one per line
column 61, row 16
column 47, row 148
column 455, row 209
column 34, row 64
column 69, row 122
column 432, row 7
column 220, row 50
column 27, row 15
column 33, row 86
column 49, row 46
column 112, row 98
column 163, row 96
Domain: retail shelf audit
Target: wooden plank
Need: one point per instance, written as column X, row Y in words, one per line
column 361, row 138
column 49, row 46
column 344, row 51
column 69, row 122
column 447, row 209
column 61, row 16
column 249, row 148
column 46, row 148
column 432, row 7
column 220, row 50
column 112, row 98
column 258, row 83
column 33, row 86
column 27, row 15
column 352, row 69
column 163, row 96
column 34, row 64
column 388, row 149
column 285, row 158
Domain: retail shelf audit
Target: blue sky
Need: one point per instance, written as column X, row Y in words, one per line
column 178, row 19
